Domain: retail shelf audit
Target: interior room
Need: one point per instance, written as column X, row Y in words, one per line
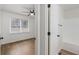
column 70, row 39
column 18, row 29
column 39, row 29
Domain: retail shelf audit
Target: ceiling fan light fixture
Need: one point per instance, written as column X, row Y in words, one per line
column 32, row 12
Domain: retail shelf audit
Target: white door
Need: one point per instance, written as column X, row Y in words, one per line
column 55, row 40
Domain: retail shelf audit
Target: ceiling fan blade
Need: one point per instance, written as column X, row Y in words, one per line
column 25, row 12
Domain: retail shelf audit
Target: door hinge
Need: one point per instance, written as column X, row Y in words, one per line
column 48, row 5
column 49, row 33
column 1, row 38
column 58, row 35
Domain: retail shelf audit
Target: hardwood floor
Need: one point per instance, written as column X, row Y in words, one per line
column 26, row 47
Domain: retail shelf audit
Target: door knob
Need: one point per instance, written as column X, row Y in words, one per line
column 1, row 38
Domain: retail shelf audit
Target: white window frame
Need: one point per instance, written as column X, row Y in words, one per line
column 20, row 29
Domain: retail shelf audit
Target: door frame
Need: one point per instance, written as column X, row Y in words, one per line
column 54, row 28
column 37, row 29
column 46, row 29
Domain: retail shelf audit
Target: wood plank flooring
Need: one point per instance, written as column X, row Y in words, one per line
column 26, row 47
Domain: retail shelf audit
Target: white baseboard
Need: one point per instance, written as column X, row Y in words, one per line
column 70, row 47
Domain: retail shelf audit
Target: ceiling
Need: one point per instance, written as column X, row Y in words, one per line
column 18, row 8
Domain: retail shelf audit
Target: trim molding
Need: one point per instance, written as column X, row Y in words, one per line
column 70, row 47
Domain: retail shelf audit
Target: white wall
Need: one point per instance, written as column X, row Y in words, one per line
column 71, row 31
column 12, row 37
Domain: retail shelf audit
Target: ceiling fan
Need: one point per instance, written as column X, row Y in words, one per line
column 30, row 11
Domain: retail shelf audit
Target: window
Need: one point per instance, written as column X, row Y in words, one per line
column 18, row 25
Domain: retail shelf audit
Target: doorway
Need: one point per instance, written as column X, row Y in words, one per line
column 17, row 29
